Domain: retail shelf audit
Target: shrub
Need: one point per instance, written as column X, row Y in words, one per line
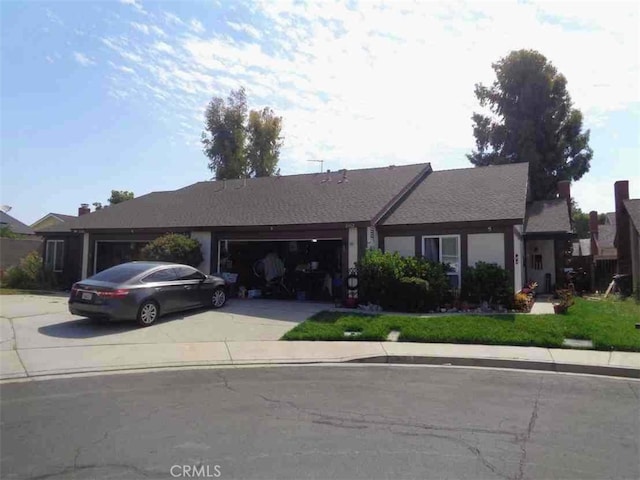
column 413, row 294
column 522, row 302
column 30, row 274
column 487, row 282
column 403, row 283
column 173, row 247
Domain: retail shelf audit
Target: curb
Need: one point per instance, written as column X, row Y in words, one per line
column 603, row 370
column 599, row 370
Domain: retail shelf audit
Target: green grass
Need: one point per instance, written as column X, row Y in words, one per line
column 609, row 324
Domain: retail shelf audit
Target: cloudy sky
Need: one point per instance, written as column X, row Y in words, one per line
column 110, row 95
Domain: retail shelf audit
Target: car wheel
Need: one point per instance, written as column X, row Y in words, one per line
column 218, row 298
column 148, row 313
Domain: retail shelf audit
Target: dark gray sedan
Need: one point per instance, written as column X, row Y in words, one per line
column 143, row 291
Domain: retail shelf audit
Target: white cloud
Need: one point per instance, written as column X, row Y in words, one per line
column 135, row 4
column 83, row 60
column 246, row 28
column 196, row 26
column 49, row 59
column 382, row 83
column 148, row 29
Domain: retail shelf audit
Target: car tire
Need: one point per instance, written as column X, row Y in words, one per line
column 218, row 298
column 148, row 313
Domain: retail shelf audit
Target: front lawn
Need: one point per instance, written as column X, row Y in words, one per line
column 609, row 324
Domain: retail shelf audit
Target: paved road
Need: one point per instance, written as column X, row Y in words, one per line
column 322, row 422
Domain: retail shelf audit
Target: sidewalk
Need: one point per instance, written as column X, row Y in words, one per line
column 37, row 362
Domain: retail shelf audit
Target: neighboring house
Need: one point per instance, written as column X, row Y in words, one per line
column 12, row 250
column 51, row 219
column 627, row 239
column 15, row 225
column 329, row 220
column 603, row 250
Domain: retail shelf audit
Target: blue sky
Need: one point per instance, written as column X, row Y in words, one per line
column 110, row 95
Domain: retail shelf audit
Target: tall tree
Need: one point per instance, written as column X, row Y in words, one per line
column 225, row 136
column 264, row 142
column 532, row 120
column 119, row 196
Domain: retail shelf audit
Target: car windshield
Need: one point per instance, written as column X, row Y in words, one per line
column 120, row 273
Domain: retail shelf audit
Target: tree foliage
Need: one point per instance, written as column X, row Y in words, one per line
column 119, row 196
column 264, row 142
column 174, row 247
column 532, row 120
column 238, row 143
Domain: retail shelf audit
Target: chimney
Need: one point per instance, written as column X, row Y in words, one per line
column 564, row 190
column 593, row 229
column 84, row 209
column 623, row 234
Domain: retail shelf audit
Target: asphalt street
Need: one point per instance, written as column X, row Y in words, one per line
column 322, row 422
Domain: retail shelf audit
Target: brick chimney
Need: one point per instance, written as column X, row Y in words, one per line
column 623, row 236
column 564, row 190
column 593, row 229
column 84, row 209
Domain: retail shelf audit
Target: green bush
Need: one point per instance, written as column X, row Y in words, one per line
column 413, row 294
column 402, row 283
column 487, row 282
column 173, row 247
column 30, row 274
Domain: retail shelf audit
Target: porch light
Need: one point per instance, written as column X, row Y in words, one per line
column 315, row 240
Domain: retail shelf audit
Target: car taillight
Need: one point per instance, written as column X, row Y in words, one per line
column 74, row 290
column 120, row 293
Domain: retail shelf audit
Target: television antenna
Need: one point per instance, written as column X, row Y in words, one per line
column 320, row 161
column 5, row 208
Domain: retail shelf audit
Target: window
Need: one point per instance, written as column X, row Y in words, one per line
column 54, row 255
column 444, row 249
column 121, row 273
column 187, row 273
column 164, row 275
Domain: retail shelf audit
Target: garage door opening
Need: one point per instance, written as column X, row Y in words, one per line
column 285, row 269
column 109, row 253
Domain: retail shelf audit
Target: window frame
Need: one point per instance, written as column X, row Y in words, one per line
column 458, row 246
column 48, row 253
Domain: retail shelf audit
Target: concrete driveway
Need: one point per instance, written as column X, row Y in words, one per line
column 38, row 321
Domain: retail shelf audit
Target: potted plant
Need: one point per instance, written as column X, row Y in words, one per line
column 566, row 300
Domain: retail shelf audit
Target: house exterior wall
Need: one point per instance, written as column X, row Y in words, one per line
column 463, row 230
column 518, row 259
column 486, row 247
column 352, row 248
column 72, row 263
column 205, row 246
column 405, row 246
column 635, row 259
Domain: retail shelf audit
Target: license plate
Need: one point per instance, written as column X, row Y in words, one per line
column 86, row 296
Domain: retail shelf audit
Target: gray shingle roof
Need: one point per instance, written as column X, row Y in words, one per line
column 15, row 225
column 467, row 194
column 606, row 236
column 286, row 200
column 63, row 217
column 633, row 207
column 548, row 216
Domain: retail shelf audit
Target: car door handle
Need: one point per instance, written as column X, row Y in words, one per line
column 187, row 287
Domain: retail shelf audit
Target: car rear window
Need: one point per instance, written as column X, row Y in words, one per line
column 120, row 273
